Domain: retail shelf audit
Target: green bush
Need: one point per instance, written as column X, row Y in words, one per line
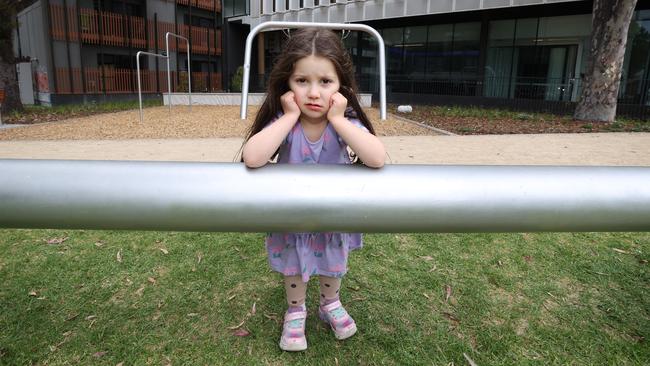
column 237, row 79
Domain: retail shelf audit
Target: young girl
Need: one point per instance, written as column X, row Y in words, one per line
column 305, row 119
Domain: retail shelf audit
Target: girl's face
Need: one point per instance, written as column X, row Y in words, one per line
column 314, row 80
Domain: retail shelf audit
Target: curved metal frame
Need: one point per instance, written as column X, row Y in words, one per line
column 290, row 25
column 169, row 80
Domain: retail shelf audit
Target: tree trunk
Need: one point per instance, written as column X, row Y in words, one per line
column 610, row 23
column 9, row 83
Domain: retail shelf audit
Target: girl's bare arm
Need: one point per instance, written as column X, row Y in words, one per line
column 261, row 146
column 366, row 145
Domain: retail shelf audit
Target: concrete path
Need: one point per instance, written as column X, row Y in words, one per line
column 546, row 149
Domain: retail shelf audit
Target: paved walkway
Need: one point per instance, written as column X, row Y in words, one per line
column 546, row 149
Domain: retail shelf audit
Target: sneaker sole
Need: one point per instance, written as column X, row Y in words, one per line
column 293, row 347
column 346, row 333
column 342, row 334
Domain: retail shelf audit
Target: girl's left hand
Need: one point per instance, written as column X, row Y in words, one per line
column 338, row 103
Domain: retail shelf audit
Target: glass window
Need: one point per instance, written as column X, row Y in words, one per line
column 467, row 39
column 393, row 39
column 415, row 47
column 501, row 33
column 439, row 48
column 635, row 73
column 233, row 8
column 526, row 33
column 571, row 27
column 498, row 64
column 350, row 41
column 367, row 76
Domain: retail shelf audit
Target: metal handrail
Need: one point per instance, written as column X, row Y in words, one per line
column 291, row 25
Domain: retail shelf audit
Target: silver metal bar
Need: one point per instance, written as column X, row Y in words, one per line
column 302, row 198
column 189, row 74
column 291, row 25
column 137, row 62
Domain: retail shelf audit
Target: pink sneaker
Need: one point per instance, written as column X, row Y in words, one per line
column 293, row 332
column 339, row 320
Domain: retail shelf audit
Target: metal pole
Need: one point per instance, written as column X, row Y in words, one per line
column 137, row 63
column 227, row 197
column 169, row 76
column 189, row 76
column 282, row 25
column 169, row 80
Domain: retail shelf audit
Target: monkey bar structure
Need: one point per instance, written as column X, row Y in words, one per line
column 186, row 196
column 294, row 25
column 169, row 79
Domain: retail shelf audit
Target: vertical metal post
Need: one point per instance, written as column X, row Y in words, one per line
column 155, row 40
column 137, row 63
column 189, row 77
column 169, row 76
column 169, row 82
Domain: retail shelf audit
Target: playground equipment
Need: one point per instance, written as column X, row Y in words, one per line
column 293, row 25
column 169, row 79
column 397, row 198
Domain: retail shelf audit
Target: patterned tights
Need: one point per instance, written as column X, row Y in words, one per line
column 297, row 290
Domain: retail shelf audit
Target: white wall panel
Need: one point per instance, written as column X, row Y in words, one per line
column 393, row 8
column 527, row 2
column 467, row 5
column 416, row 7
column 495, row 3
column 305, row 15
column 440, row 6
column 321, row 14
column 342, row 11
column 373, row 9
column 337, row 14
column 354, row 12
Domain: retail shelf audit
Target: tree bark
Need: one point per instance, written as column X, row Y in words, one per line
column 9, row 83
column 610, row 23
column 8, row 80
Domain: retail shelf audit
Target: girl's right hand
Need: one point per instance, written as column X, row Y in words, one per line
column 289, row 105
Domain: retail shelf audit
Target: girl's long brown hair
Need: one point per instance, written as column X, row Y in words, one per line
column 302, row 43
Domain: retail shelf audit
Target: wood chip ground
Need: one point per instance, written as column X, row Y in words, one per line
column 200, row 122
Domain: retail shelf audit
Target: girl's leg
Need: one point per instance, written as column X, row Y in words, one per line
column 296, row 292
column 331, row 310
column 293, row 331
column 329, row 289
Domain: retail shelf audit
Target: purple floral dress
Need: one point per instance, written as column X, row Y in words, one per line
column 312, row 254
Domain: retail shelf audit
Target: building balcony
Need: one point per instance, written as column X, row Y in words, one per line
column 113, row 29
column 118, row 81
column 212, row 5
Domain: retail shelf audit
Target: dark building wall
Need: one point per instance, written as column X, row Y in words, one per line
column 234, row 47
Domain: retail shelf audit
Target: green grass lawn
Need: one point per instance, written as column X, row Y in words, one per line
column 137, row 298
column 39, row 113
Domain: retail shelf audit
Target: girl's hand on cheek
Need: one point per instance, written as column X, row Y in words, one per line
column 338, row 103
column 289, row 105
